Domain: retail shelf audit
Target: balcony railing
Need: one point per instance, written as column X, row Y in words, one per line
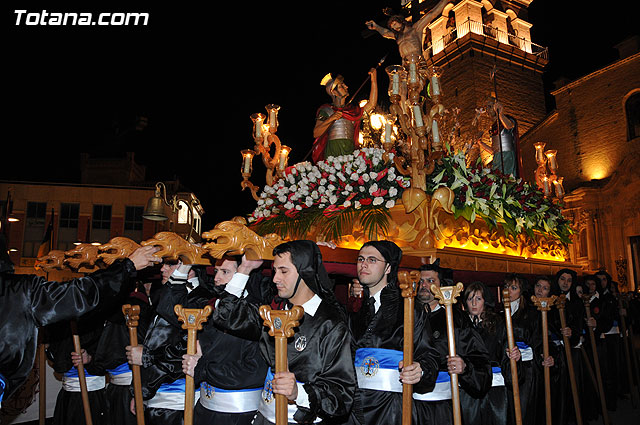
column 488, row 31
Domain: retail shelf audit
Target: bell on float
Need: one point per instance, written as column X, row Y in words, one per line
column 155, row 208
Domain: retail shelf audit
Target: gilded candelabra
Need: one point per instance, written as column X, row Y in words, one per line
column 422, row 141
column 274, row 154
column 546, row 179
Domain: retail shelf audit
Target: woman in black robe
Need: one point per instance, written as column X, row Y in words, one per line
column 491, row 408
column 528, row 337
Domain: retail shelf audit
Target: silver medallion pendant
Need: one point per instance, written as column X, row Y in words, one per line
column 301, row 342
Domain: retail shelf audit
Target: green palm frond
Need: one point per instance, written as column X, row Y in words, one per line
column 374, row 221
column 338, row 225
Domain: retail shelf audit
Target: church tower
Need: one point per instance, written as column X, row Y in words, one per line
column 473, row 41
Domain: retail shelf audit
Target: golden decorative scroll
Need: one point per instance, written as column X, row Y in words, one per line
column 228, row 237
column 234, row 237
column 117, row 248
column 83, row 254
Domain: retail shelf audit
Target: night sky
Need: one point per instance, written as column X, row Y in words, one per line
column 198, row 73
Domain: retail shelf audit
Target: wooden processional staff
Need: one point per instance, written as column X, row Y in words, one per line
column 447, row 296
column 281, row 324
column 192, row 320
column 596, row 362
column 544, row 305
column 407, row 282
column 83, row 380
column 42, row 380
column 514, row 371
column 560, row 303
column 131, row 316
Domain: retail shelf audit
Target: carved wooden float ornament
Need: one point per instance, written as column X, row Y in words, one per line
column 228, row 237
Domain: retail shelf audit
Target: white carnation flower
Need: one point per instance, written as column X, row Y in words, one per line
column 378, row 200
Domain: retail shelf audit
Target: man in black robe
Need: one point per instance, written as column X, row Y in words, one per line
column 471, row 362
column 230, row 371
column 378, row 333
column 29, row 302
column 160, row 354
column 320, row 381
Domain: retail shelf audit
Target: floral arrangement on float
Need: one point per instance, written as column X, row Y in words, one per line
column 330, row 196
column 500, row 200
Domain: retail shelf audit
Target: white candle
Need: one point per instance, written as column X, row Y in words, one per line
column 412, row 72
column 247, row 164
column 265, row 141
column 545, row 184
column 283, row 159
column 258, row 128
column 272, row 118
column 417, row 116
column 395, row 84
column 387, row 132
column 435, row 85
column 435, row 132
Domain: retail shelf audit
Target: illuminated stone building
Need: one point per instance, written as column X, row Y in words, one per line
column 596, row 130
column 595, row 127
column 109, row 202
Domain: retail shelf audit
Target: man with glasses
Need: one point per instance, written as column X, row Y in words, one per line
column 471, row 362
column 377, row 340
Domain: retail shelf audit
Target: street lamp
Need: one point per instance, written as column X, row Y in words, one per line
column 186, row 212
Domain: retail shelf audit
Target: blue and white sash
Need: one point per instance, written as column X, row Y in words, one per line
column 121, row 375
column 267, row 405
column 229, row 401
column 498, row 379
column 377, row 369
column 614, row 329
column 442, row 390
column 71, row 381
column 171, row 396
column 526, row 352
column 3, row 385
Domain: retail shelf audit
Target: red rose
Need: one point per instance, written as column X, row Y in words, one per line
column 366, row 201
column 291, row 213
column 382, row 173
